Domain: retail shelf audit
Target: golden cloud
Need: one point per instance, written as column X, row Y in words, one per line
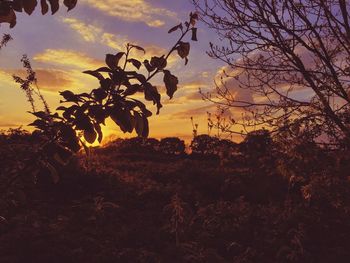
column 48, row 79
column 91, row 33
column 194, row 112
column 88, row 32
column 68, row 58
column 133, row 11
column 114, row 41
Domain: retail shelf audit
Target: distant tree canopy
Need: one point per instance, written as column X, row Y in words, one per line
column 207, row 145
column 292, row 56
column 8, row 8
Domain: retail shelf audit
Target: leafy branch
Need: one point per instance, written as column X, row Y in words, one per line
column 113, row 98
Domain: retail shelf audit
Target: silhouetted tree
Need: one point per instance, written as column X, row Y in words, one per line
column 293, row 56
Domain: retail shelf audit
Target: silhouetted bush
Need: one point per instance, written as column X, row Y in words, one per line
column 257, row 144
column 172, row 146
column 204, row 144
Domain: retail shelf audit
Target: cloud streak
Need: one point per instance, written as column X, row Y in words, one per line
column 68, row 58
column 88, row 32
column 133, row 11
column 95, row 34
column 48, row 79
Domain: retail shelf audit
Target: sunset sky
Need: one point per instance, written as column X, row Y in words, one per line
column 62, row 46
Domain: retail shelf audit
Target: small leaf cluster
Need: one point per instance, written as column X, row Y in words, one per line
column 5, row 39
column 9, row 8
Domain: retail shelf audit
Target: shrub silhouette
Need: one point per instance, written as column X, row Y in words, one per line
column 204, row 144
column 257, row 142
column 172, row 146
column 137, row 145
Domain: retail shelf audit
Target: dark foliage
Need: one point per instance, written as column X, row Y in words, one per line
column 172, row 145
column 286, row 205
column 9, row 8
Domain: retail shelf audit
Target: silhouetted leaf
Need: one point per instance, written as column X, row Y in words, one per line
column 123, row 119
column 17, row 5
column 103, row 69
column 148, row 66
column 183, row 49
column 29, row 6
column 151, row 94
column 94, row 73
column 105, row 83
column 194, row 34
column 67, row 114
column 193, row 18
column 138, row 48
column 84, row 95
column 132, row 89
column 145, row 131
column 137, row 64
column 158, row 62
column 113, row 60
column 90, row 135
column 69, row 138
column 10, row 18
column 119, row 77
column 82, row 122
column 5, row 8
column 141, row 78
column 69, row 96
column 138, row 124
column 40, row 124
column 179, row 26
column 170, row 82
column 98, row 113
column 40, row 114
column 99, row 94
column 54, row 6
column 142, row 107
column 61, row 108
column 44, row 7
column 70, row 4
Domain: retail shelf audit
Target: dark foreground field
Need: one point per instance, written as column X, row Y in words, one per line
column 156, row 207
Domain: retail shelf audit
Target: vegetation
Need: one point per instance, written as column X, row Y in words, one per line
column 290, row 205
